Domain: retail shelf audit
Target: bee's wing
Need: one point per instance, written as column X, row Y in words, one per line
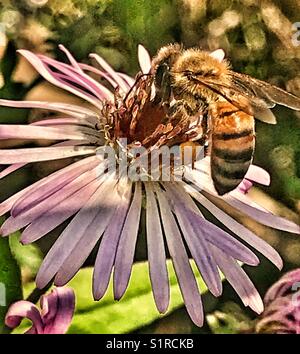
column 268, row 93
column 253, row 96
column 264, row 115
column 246, row 99
column 241, row 98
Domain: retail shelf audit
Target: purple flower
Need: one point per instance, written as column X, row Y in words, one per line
column 55, row 316
column 282, row 313
column 245, row 186
column 108, row 205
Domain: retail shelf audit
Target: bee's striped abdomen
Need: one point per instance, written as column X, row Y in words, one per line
column 233, row 141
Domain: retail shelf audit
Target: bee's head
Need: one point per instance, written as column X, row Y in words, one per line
column 195, row 65
column 161, row 66
column 166, row 56
column 186, row 69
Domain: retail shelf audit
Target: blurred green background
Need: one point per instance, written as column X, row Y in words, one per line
column 257, row 38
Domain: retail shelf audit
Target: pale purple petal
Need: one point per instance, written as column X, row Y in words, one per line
column 9, row 203
column 218, row 54
column 13, row 224
column 144, row 59
column 11, row 156
column 87, row 134
column 24, row 309
column 216, row 235
column 57, row 310
column 239, row 280
column 244, row 198
column 72, row 60
column 245, row 186
column 122, row 85
column 58, row 121
column 241, row 231
column 52, row 183
column 57, row 215
column 67, row 108
column 225, row 241
column 259, row 175
column 195, row 239
column 130, row 81
column 44, row 71
column 126, row 247
column 202, row 180
column 108, row 247
column 67, row 75
column 69, row 238
column 185, row 275
column 10, row 169
column 156, row 252
column 92, row 234
column 64, row 75
column 100, row 73
column 263, row 217
column 126, row 79
column 33, row 132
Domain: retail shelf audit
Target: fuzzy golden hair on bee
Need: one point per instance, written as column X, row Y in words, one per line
column 200, row 63
column 179, row 70
column 166, row 54
column 194, row 65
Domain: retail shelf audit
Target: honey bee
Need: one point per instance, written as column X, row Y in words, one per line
column 195, row 83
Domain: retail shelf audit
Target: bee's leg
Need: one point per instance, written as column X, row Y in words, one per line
column 188, row 105
column 203, row 128
column 182, row 106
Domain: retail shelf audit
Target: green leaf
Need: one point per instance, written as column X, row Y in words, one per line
column 10, row 281
column 135, row 310
column 29, row 257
